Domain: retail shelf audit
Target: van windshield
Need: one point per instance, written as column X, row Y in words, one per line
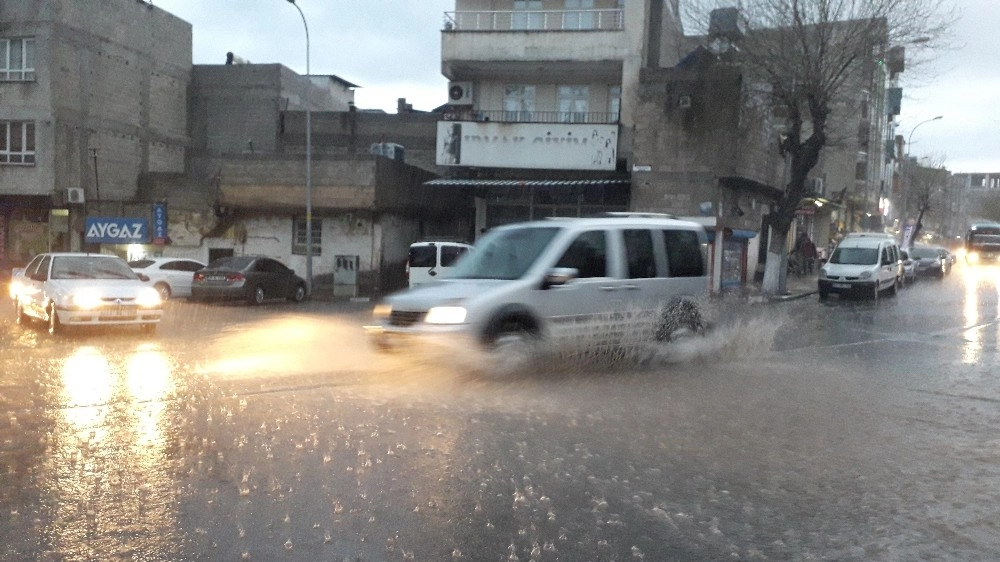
column 505, row 254
column 855, row 256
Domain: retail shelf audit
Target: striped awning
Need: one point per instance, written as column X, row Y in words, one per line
column 452, row 182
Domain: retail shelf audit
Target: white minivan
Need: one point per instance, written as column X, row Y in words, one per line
column 590, row 281
column 863, row 264
column 431, row 260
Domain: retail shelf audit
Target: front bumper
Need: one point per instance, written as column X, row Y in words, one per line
column 121, row 316
column 845, row 287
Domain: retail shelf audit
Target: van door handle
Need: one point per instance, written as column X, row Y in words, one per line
column 629, row 287
column 609, row 287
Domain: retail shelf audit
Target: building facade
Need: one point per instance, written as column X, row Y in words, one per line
column 94, row 95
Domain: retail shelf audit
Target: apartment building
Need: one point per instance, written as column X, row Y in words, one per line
column 94, row 94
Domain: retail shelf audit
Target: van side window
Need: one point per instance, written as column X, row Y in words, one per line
column 423, row 256
column 588, row 254
column 449, row 254
column 684, row 253
column 639, row 251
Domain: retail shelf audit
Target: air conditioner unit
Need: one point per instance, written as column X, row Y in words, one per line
column 460, row 93
column 74, row 195
column 818, row 188
column 684, row 102
column 392, row 151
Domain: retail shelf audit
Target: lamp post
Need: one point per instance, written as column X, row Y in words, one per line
column 909, row 176
column 309, row 252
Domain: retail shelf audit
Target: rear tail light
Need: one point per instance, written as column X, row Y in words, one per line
column 199, row 276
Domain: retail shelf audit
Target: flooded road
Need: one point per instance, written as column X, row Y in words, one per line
column 795, row 431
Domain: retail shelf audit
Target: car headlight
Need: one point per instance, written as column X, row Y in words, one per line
column 865, row 275
column 87, row 298
column 382, row 311
column 972, row 257
column 446, row 315
column 148, row 297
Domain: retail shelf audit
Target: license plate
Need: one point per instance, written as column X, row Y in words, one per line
column 118, row 312
column 841, row 285
column 216, row 278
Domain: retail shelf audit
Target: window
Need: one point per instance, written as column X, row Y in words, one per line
column 639, row 252
column 579, row 14
column 587, row 254
column 614, row 103
column 518, row 102
column 684, row 253
column 527, row 14
column 17, row 59
column 299, row 237
column 17, row 142
column 573, row 101
column 450, row 254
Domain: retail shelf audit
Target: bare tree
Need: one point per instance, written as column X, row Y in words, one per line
column 926, row 185
column 812, row 55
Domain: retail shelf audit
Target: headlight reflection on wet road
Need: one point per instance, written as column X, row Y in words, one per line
column 977, row 280
column 109, row 479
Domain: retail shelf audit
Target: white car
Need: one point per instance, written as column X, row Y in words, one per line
column 76, row 289
column 170, row 276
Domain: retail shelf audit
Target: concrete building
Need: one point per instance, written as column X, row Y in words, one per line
column 94, row 94
column 560, row 109
column 244, row 191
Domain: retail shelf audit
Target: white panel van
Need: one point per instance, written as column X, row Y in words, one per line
column 863, row 264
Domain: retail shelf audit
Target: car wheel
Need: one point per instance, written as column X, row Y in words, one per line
column 299, row 295
column 257, row 296
column 55, row 326
column 511, row 349
column 164, row 290
column 823, row 295
column 679, row 319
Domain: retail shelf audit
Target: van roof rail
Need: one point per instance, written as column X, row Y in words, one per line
column 635, row 215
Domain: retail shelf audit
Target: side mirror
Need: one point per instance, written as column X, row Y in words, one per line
column 559, row 276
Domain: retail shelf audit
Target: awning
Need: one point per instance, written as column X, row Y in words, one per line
column 452, row 182
column 731, row 233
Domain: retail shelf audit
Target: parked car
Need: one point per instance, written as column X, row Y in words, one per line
column 909, row 266
column 864, row 265
column 929, row 261
column 170, row 276
column 75, row 289
column 568, row 281
column 430, row 260
column 254, row 279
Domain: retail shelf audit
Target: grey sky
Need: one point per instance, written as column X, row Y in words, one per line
column 392, row 49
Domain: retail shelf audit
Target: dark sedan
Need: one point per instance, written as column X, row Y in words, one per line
column 929, row 262
column 254, row 279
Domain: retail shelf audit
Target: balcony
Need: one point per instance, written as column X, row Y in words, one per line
column 565, row 44
column 535, row 20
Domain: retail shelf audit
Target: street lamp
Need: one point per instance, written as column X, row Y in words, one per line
column 309, row 252
column 909, row 138
column 909, row 175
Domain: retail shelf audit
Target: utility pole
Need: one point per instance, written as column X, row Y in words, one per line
column 97, row 180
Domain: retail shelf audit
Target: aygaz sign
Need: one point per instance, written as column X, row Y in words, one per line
column 116, row 231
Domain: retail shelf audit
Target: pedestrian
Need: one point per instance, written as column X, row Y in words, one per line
column 809, row 254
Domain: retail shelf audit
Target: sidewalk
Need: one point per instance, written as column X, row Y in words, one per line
column 795, row 288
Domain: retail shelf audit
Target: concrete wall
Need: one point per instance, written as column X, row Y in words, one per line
column 112, row 75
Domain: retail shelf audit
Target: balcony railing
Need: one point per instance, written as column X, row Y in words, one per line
column 535, row 20
column 501, row 116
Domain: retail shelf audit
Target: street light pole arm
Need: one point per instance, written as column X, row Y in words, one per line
column 913, row 130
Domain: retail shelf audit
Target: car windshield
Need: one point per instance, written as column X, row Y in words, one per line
column 985, row 239
column 924, row 253
column 88, row 267
column 855, row 256
column 505, row 254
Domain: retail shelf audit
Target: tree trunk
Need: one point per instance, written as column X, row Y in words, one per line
column 776, row 266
